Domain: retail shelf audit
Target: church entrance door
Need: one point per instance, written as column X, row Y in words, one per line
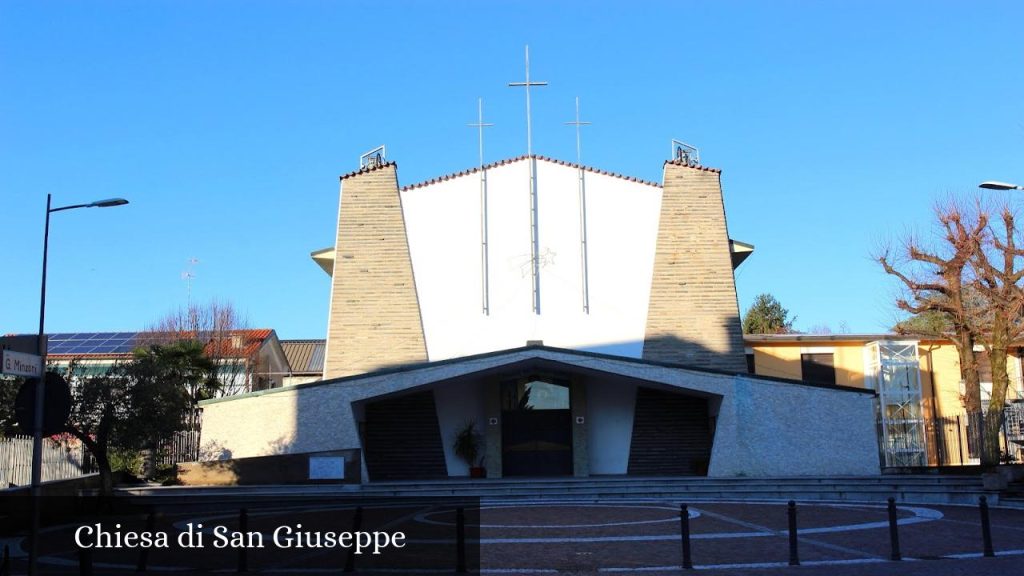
column 536, row 433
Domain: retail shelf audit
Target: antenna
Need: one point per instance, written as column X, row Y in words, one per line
column 373, row 158
column 188, row 275
column 686, row 153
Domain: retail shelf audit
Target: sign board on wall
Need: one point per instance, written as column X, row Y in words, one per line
column 326, row 467
column 20, row 364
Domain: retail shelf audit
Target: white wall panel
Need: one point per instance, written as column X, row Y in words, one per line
column 443, row 225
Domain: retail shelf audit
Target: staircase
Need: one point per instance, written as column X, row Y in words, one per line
column 1013, row 496
column 922, row 489
column 925, row 489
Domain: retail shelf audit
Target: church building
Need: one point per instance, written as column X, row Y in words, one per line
column 575, row 321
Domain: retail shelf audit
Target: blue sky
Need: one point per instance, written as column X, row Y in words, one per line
column 836, row 125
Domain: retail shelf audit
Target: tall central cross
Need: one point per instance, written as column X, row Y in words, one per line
column 534, row 237
column 527, row 84
column 582, row 188
column 484, row 256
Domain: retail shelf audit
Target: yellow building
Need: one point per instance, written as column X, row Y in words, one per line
column 921, row 414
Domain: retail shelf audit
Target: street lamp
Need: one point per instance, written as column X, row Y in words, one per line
column 994, row 185
column 37, row 425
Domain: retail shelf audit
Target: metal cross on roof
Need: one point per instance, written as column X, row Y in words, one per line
column 480, row 125
column 484, row 254
column 534, row 229
column 526, row 84
column 584, row 264
column 578, row 123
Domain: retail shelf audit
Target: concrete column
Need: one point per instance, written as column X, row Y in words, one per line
column 578, row 405
column 492, row 431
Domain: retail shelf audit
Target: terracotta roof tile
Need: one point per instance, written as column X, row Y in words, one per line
column 695, row 167
column 524, row 157
column 366, row 169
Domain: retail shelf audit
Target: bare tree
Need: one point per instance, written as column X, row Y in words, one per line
column 939, row 280
column 225, row 338
column 998, row 274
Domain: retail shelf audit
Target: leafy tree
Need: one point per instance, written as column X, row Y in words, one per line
column 186, row 365
column 9, row 386
column 137, row 404
column 928, row 323
column 767, row 316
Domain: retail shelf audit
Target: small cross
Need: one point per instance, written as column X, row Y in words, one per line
column 578, row 123
column 480, row 127
column 527, row 84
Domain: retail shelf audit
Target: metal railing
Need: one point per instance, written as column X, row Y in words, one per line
column 958, row 439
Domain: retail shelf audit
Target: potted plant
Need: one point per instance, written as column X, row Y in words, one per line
column 467, row 446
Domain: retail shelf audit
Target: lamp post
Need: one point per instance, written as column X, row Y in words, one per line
column 37, row 425
column 994, row 185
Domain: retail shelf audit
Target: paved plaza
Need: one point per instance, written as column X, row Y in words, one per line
column 545, row 537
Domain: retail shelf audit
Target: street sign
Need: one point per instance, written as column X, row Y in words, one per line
column 21, row 364
column 56, row 405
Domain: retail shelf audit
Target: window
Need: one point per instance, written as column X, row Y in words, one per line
column 750, row 363
column 534, row 394
column 818, row 367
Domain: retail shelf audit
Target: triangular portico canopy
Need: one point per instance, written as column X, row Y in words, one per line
column 591, row 414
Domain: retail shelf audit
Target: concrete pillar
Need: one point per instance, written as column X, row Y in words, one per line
column 578, row 405
column 492, row 433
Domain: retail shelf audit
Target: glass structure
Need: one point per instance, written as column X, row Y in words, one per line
column 893, row 370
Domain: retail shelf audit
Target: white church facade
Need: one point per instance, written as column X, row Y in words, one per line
column 586, row 323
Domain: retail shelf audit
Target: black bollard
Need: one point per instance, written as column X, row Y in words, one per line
column 894, row 534
column 684, row 526
column 243, row 552
column 460, row 540
column 986, row 528
column 85, row 561
column 357, row 523
column 794, row 554
column 143, row 561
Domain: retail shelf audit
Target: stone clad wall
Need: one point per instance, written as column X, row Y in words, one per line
column 375, row 316
column 763, row 427
column 693, row 315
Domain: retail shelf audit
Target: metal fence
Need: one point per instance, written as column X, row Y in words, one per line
column 958, row 439
column 62, row 459
column 182, row 447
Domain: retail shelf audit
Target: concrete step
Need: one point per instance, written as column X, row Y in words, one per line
column 1012, row 502
column 924, row 489
column 687, row 481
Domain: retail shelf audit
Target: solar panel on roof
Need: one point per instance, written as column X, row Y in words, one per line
column 92, row 342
